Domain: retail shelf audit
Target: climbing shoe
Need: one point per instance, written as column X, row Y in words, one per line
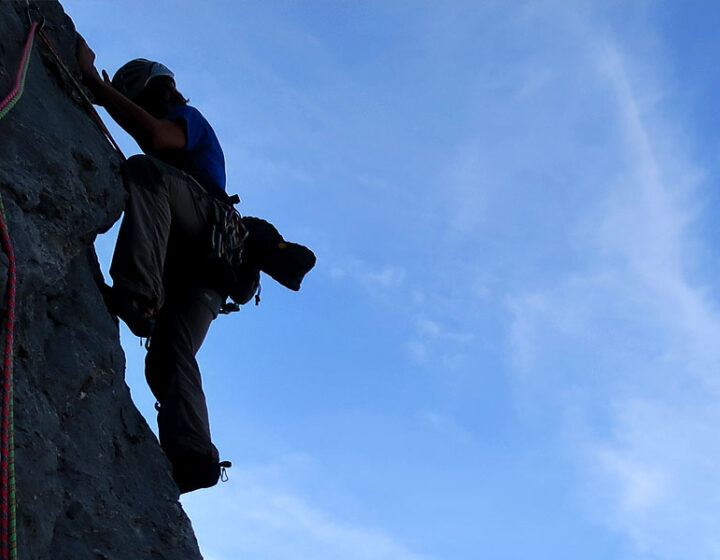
column 192, row 471
column 288, row 263
column 285, row 262
column 132, row 309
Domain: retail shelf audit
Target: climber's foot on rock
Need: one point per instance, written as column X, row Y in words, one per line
column 133, row 309
column 193, row 471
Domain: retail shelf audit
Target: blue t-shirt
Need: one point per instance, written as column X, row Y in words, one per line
column 202, row 157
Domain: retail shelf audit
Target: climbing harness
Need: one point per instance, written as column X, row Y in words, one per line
column 8, row 508
column 227, row 237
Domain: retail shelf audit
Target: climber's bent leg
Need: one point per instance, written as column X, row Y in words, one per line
column 161, row 198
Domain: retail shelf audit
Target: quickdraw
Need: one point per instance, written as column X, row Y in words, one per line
column 227, row 234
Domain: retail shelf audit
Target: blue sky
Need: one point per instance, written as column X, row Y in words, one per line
column 508, row 348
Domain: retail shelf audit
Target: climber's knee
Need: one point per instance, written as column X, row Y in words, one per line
column 142, row 171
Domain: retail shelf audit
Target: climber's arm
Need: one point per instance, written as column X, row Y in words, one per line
column 150, row 133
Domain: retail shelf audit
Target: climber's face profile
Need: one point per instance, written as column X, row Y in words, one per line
column 159, row 95
column 147, row 83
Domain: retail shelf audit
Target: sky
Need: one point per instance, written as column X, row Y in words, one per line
column 508, row 347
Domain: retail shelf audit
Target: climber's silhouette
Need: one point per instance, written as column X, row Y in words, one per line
column 178, row 254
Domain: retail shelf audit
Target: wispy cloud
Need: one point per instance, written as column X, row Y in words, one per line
column 661, row 443
column 435, row 342
column 655, row 479
column 372, row 277
column 267, row 521
column 632, row 337
column 434, row 336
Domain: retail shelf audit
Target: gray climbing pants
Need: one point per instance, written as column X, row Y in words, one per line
column 173, row 375
column 166, row 216
column 162, row 241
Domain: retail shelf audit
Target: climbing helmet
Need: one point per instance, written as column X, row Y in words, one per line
column 132, row 77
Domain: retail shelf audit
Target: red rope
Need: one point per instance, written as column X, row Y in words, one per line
column 8, row 537
column 5, row 433
column 12, row 97
column 8, row 534
column 86, row 99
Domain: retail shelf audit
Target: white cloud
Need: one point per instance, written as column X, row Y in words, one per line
column 418, row 350
column 656, row 478
column 372, row 277
column 386, row 277
column 434, row 343
column 529, row 311
column 446, row 425
column 642, row 486
column 429, row 327
column 337, row 273
column 466, row 189
column 627, row 336
column 266, row 521
column 434, row 329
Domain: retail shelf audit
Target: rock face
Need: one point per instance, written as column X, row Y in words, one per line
column 92, row 481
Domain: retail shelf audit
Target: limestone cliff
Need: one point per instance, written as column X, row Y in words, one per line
column 92, row 481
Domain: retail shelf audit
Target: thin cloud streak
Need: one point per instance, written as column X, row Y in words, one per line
column 641, row 336
column 269, row 522
column 652, row 434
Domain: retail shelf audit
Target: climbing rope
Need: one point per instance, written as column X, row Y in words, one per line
column 88, row 103
column 15, row 94
column 8, row 508
column 8, row 533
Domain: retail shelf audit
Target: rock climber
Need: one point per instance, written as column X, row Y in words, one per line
column 169, row 281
